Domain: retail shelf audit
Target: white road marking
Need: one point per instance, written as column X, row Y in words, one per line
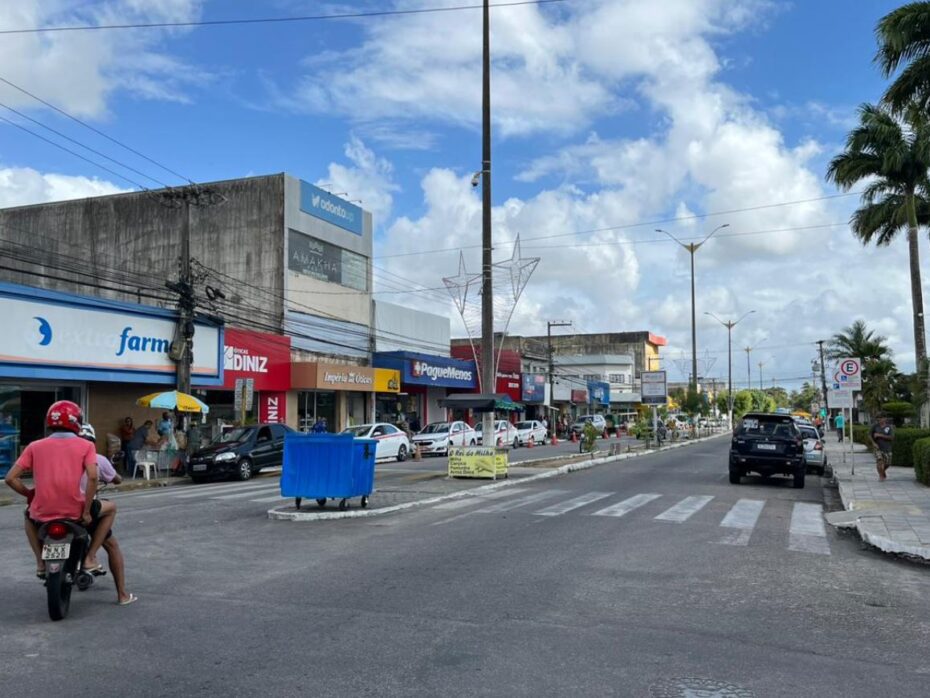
column 521, row 501
column 627, row 505
column 685, row 509
column 470, row 501
column 252, row 493
column 807, row 533
column 576, row 503
column 239, row 489
column 743, row 518
column 181, row 490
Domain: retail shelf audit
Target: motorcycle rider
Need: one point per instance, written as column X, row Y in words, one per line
column 107, row 473
column 57, row 463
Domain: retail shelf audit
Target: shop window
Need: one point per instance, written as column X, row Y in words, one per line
column 22, row 415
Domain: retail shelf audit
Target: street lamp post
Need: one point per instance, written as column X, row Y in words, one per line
column 748, row 351
column 730, row 324
column 693, row 247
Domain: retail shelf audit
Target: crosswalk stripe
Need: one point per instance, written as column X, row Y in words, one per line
column 627, row 505
column 521, row 501
column 246, row 495
column 576, row 503
column 275, row 498
column 742, row 517
column 470, row 501
column 685, row 509
column 185, row 490
column 807, row 533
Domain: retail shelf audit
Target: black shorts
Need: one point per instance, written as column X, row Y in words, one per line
column 94, row 519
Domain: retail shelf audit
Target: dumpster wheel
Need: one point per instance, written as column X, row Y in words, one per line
column 321, row 502
column 343, row 504
column 364, row 502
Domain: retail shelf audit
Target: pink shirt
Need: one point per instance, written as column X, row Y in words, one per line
column 105, row 472
column 57, row 464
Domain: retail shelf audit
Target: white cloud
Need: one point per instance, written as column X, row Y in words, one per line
column 77, row 71
column 370, row 180
column 25, row 186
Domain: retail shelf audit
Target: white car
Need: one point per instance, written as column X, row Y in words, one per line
column 505, row 433
column 531, row 428
column 439, row 436
column 392, row 442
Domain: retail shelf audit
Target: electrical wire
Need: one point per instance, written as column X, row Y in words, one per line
column 275, row 20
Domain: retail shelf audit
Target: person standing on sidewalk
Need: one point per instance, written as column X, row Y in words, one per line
column 840, row 423
column 882, row 435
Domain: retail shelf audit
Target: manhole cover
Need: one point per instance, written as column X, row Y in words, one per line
column 697, row 688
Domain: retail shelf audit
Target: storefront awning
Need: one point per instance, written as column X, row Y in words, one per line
column 481, row 402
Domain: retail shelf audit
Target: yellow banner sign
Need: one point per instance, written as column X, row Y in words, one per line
column 387, row 380
column 477, row 461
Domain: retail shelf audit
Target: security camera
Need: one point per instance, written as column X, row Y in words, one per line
column 475, row 179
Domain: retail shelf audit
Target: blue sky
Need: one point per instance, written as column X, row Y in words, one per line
column 607, row 113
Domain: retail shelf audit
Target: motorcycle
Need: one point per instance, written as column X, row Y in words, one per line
column 64, row 545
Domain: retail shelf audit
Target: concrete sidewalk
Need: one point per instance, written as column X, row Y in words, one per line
column 893, row 515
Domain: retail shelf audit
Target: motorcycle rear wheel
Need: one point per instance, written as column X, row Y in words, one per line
column 59, row 595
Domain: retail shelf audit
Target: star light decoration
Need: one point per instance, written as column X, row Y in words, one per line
column 459, row 285
column 519, row 270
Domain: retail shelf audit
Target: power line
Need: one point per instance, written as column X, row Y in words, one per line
column 95, row 130
column 641, row 224
column 274, row 20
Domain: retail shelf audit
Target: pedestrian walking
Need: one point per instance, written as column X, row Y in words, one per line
column 882, row 436
column 840, row 423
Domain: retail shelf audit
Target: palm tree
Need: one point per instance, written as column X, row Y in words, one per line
column 893, row 154
column 904, row 40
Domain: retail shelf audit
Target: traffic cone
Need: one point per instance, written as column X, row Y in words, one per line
column 531, row 443
column 554, row 440
column 417, row 455
column 574, row 438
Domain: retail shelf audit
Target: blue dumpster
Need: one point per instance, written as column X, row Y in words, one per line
column 328, row 466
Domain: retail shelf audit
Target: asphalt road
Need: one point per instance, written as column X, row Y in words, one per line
column 648, row 577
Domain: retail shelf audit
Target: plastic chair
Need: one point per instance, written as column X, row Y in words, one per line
column 145, row 461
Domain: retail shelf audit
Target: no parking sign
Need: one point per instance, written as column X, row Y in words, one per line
column 849, row 374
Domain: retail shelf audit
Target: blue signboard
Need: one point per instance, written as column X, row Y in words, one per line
column 429, row 370
column 332, row 209
column 598, row 392
column 534, row 387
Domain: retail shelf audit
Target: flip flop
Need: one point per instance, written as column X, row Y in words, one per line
column 97, row 571
column 132, row 599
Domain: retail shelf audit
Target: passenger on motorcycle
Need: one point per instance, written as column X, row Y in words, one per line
column 57, row 464
column 107, row 473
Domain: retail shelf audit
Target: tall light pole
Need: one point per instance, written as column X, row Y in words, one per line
column 748, row 351
column 730, row 324
column 488, row 370
column 761, row 364
column 693, row 247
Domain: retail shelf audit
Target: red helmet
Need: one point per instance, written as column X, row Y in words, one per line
column 64, row 414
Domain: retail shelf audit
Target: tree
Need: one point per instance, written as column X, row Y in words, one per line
column 742, row 403
column 779, row 395
column 879, row 372
column 802, row 399
column 898, row 411
column 904, row 42
column 892, row 154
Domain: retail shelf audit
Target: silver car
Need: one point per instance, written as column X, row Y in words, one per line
column 815, row 458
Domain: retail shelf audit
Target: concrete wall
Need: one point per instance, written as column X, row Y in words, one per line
column 399, row 328
column 130, row 243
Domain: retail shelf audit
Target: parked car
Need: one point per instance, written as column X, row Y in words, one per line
column 240, row 453
column 505, row 434
column 815, row 457
column 530, row 428
column 392, row 442
column 439, row 436
column 597, row 419
column 767, row 444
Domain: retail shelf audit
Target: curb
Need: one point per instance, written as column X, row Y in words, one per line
column 277, row 514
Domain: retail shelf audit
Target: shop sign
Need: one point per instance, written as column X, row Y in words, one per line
column 387, row 380
column 265, row 358
column 321, row 204
column 654, row 387
column 579, row 395
column 441, row 372
column 325, row 262
column 599, row 392
column 478, row 461
column 534, row 387
column 272, row 407
column 509, row 384
column 333, row 377
column 48, row 334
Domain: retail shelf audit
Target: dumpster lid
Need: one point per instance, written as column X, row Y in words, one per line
column 481, row 402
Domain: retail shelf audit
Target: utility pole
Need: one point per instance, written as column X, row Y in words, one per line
column 488, row 371
column 730, row 324
column 549, row 325
column 823, row 373
column 761, row 364
column 748, row 351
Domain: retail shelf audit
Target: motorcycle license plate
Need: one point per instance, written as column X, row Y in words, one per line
column 199, row 467
column 766, row 447
column 56, row 551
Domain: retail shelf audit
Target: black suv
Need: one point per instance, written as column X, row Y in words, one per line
column 767, row 444
column 240, row 453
